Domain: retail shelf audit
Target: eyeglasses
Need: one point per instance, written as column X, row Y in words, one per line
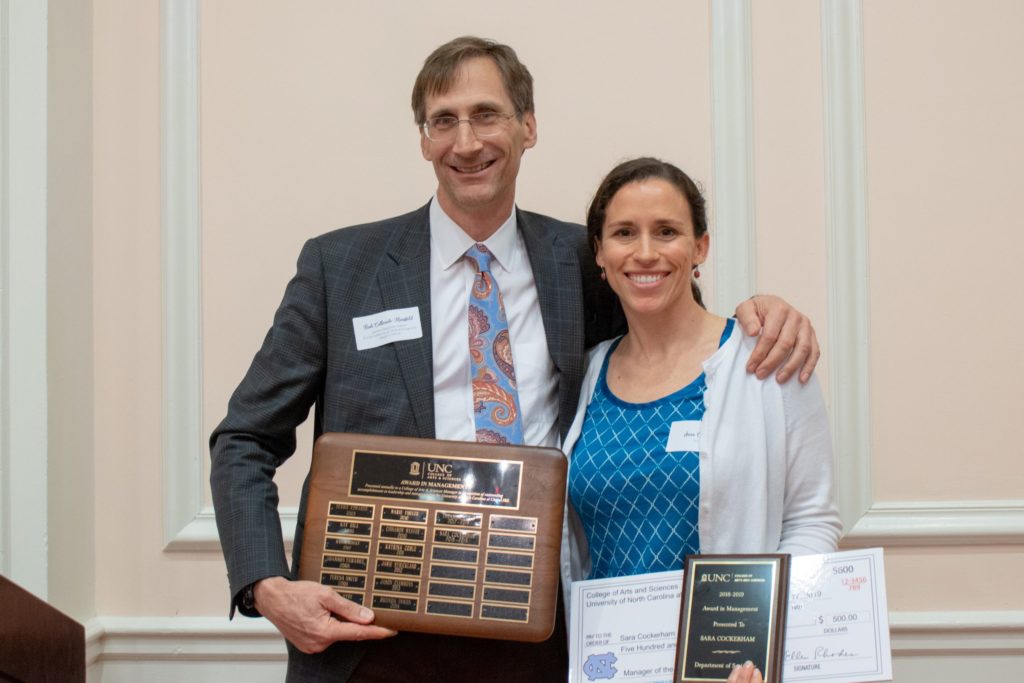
column 484, row 124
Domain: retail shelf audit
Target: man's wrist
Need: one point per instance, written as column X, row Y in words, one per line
column 263, row 590
column 248, row 598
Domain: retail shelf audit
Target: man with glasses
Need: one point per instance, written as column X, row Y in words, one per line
column 439, row 266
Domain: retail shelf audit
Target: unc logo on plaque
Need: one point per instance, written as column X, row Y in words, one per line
column 446, row 537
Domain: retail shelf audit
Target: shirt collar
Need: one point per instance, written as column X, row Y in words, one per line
column 451, row 242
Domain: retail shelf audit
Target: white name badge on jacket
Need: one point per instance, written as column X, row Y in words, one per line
column 684, row 435
column 378, row 329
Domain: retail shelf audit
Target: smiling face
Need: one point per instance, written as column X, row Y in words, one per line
column 477, row 176
column 648, row 247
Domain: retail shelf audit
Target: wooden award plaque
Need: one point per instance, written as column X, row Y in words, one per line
column 447, row 537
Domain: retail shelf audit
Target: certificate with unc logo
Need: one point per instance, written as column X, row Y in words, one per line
column 624, row 629
column 837, row 627
column 445, row 537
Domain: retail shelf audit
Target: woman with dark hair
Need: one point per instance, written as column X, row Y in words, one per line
column 676, row 449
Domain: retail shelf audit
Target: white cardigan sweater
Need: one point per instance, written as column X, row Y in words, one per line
column 765, row 464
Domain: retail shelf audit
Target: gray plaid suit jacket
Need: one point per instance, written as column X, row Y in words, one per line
column 309, row 357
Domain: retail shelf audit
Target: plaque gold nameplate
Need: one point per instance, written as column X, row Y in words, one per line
column 444, row 537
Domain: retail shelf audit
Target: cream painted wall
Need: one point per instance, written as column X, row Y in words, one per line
column 305, row 126
column 944, row 144
column 134, row 575
column 789, row 158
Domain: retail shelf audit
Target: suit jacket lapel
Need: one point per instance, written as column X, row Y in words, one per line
column 404, row 281
column 556, row 272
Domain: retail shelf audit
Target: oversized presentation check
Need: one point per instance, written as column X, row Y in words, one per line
column 838, row 628
column 625, row 629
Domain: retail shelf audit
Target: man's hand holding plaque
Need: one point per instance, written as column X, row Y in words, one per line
column 314, row 630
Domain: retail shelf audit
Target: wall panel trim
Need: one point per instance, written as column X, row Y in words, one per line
column 189, row 525
column 215, row 639
column 181, row 279
column 200, row 534
column 981, row 635
column 5, row 513
column 964, row 522
column 23, row 295
column 147, row 639
column 870, row 522
column 732, row 130
column 846, row 240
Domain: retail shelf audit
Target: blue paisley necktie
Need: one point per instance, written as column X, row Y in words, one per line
column 495, row 398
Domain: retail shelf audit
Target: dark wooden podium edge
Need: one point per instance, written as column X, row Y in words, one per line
column 37, row 641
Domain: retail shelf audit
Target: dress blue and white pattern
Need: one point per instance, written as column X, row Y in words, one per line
column 638, row 502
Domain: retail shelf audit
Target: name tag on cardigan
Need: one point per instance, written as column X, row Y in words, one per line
column 378, row 329
column 684, row 435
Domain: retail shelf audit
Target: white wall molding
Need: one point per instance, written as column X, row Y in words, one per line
column 189, row 525
column 200, row 534
column 869, row 522
column 23, row 397
column 846, row 240
column 973, row 638
column 5, row 513
column 732, row 130
column 183, row 638
column 182, row 294
column 980, row 522
column 93, row 641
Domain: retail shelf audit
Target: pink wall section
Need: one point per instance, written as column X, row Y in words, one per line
column 945, row 104
column 789, row 157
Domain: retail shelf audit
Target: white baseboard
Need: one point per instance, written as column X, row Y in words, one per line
column 171, row 649
column 183, row 638
column 201, row 649
column 946, row 634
